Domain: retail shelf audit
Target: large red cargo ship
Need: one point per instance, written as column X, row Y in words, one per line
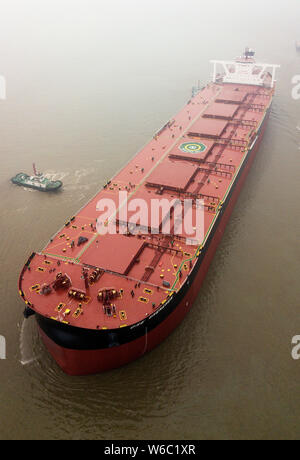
column 110, row 286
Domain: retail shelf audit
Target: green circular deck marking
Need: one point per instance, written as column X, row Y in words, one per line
column 193, row 147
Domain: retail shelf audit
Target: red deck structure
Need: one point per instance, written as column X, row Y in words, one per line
column 103, row 300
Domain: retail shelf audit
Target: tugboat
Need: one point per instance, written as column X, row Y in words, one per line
column 38, row 181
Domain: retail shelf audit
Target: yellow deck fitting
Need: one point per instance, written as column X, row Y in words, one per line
column 35, row 287
column 47, row 262
column 148, row 291
column 122, row 315
column 67, row 311
column 60, row 307
column 143, row 299
column 77, row 312
column 40, row 269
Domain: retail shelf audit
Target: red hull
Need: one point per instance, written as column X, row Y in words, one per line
column 84, row 362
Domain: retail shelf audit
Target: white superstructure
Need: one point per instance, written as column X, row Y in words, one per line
column 244, row 70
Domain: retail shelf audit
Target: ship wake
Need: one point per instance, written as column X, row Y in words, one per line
column 27, row 354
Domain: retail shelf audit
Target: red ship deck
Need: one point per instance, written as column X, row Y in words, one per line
column 197, row 154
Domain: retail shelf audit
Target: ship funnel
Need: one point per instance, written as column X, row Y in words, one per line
column 249, row 53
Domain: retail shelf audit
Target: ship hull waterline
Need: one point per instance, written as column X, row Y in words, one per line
column 85, row 361
column 39, row 189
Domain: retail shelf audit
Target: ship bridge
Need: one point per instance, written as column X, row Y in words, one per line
column 245, row 71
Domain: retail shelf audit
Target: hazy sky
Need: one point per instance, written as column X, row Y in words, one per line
column 138, row 40
column 158, row 23
column 150, row 11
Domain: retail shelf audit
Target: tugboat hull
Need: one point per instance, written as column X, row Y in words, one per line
column 24, row 180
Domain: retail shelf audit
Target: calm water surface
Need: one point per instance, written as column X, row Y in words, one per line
column 88, row 83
